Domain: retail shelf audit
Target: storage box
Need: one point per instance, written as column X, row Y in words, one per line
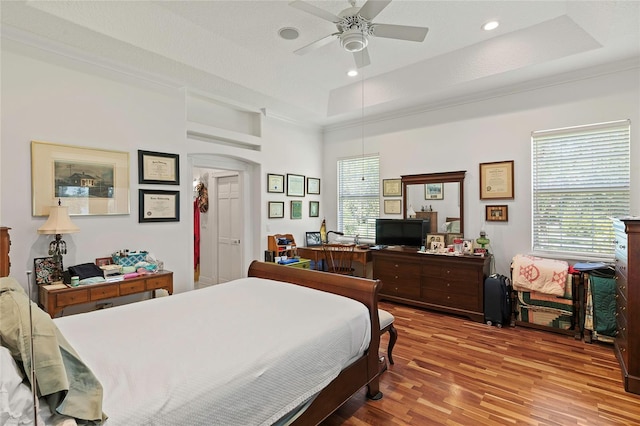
column 130, row 260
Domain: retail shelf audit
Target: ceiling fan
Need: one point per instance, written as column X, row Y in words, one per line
column 355, row 26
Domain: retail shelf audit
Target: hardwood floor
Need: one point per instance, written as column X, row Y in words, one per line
column 452, row 371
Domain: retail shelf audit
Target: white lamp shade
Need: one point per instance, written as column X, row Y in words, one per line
column 58, row 222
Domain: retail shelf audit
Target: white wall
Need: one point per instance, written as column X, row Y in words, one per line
column 57, row 99
column 462, row 136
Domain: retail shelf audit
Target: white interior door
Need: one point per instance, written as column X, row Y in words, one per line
column 229, row 228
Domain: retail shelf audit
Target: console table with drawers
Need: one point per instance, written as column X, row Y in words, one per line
column 53, row 299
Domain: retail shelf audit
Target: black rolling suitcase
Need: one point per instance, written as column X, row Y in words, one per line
column 497, row 300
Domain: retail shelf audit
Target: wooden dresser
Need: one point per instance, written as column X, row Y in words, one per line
column 627, row 343
column 53, row 299
column 5, row 246
column 453, row 284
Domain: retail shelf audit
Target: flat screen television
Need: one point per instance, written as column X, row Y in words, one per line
column 401, row 232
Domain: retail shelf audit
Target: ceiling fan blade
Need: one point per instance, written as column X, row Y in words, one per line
column 316, row 44
column 362, row 58
column 372, row 7
column 400, row 32
column 320, row 13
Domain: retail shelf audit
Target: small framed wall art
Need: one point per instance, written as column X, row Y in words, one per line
column 276, row 209
column 295, row 185
column 497, row 213
column 314, row 208
column 434, row 191
column 296, row 210
column 391, row 187
column 313, row 186
column 275, row 183
column 158, row 168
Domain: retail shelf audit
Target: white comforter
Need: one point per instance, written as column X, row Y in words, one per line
column 241, row 353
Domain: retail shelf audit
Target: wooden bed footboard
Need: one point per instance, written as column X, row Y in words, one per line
column 363, row 372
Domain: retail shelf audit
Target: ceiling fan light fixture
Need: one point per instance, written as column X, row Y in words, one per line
column 353, row 40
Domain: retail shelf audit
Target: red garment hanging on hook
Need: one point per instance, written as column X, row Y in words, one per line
column 196, row 234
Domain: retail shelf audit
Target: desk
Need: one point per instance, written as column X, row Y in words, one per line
column 360, row 255
column 55, row 300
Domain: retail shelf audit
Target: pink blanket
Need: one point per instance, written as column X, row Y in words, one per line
column 532, row 273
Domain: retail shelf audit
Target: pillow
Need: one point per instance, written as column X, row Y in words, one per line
column 68, row 385
column 16, row 399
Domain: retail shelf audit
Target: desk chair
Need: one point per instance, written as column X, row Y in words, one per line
column 339, row 258
column 386, row 324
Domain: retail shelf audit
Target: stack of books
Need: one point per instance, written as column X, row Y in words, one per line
column 112, row 273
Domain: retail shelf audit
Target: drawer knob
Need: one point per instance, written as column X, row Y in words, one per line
column 396, row 277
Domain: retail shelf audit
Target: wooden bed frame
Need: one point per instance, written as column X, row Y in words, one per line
column 363, row 372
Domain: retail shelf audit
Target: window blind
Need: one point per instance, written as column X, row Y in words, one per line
column 580, row 179
column 359, row 195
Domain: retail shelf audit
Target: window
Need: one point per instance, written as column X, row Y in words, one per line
column 581, row 178
column 359, row 195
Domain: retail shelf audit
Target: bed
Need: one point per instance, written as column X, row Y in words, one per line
column 258, row 350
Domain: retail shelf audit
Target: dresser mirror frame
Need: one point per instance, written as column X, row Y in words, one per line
column 423, row 179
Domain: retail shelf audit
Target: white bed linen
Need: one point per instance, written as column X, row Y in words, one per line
column 241, row 353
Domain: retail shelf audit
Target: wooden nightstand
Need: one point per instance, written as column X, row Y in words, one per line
column 54, row 299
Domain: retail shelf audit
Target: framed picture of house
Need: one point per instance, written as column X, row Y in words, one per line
column 87, row 181
column 158, row 168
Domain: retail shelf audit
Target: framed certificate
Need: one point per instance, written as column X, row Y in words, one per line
column 158, row 168
column 295, row 185
column 275, row 183
column 391, row 187
column 313, row 186
column 158, row 206
column 276, row 209
column 496, row 180
column 392, row 206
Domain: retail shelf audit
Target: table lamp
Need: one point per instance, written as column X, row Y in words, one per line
column 57, row 224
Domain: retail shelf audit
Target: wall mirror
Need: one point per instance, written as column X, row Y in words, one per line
column 440, row 194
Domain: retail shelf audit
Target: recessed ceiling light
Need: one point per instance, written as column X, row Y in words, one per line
column 288, row 33
column 491, row 25
column 352, row 73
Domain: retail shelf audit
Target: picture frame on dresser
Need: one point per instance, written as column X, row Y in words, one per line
column 44, row 268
